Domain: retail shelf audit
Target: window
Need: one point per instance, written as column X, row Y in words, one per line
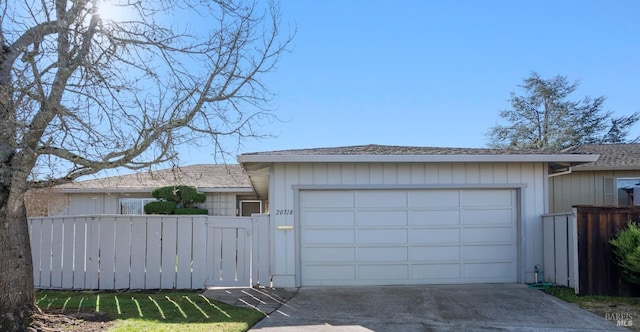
column 628, row 191
column 134, row 205
column 249, row 207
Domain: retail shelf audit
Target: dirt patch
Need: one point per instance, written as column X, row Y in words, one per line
column 623, row 314
column 53, row 321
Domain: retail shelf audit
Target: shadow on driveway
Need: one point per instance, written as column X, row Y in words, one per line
column 487, row 307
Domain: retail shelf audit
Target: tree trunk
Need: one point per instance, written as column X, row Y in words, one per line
column 17, row 295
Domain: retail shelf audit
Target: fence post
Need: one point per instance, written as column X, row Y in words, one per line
column 573, row 252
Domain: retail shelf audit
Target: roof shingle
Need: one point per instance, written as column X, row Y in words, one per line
column 374, row 149
column 612, row 156
column 199, row 176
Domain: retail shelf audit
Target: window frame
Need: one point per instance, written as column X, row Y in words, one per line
column 142, row 201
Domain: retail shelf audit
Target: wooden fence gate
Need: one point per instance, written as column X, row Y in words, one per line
column 239, row 251
column 149, row 252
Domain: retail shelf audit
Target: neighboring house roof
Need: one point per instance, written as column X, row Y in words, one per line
column 207, row 178
column 256, row 164
column 612, row 156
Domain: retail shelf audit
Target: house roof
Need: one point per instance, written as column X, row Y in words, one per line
column 612, row 156
column 257, row 164
column 387, row 153
column 207, row 178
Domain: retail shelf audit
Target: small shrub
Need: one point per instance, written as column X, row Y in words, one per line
column 183, row 196
column 160, row 207
column 166, row 194
column 626, row 247
column 191, row 211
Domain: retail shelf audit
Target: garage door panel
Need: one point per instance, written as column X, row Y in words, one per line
column 328, row 199
column 434, row 198
column 381, row 199
column 434, row 218
column 487, row 217
column 328, row 236
column 489, row 252
column 381, row 218
column 434, row 235
column 488, row 235
column 382, row 236
column 329, row 218
column 389, row 254
column 436, row 272
column 334, row 254
column 494, row 272
column 484, row 198
column 329, row 272
column 434, row 253
column 383, row 272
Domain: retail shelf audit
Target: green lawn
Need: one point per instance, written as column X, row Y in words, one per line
column 153, row 311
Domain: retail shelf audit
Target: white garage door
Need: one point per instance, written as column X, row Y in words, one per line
column 386, row 237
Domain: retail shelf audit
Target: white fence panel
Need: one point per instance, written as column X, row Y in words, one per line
column 68, row 253
column 150, row 252
column 138, row 252
column 92, row 252
column 261, row 250
column 560, row 251
column 122, row 263
column 152, row 280
column 107, row 254
column 56, row 252
column 80, row 230
column 199, row 259
column 169, row 253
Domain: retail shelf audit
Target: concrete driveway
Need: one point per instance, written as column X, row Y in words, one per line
column 498, row 307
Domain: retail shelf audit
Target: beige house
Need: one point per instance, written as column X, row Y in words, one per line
column 228, row 190
column 614, row 179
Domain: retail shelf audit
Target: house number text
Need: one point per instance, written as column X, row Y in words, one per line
column 284, row 212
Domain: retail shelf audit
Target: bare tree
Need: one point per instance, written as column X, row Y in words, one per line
column 80, row 93
column 45, row 202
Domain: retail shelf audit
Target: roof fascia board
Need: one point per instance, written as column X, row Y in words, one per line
column 577, row 158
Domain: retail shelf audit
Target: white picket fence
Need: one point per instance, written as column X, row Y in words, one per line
column 560, row 249
column 149, row 252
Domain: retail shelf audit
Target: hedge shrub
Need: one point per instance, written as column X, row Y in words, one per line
column 626, row 247
column 183, row 196
column 160, row 207
column 191, row 211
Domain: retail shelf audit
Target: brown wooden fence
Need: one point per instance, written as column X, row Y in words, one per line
column 599, row 273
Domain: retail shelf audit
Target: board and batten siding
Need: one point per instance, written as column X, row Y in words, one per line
column 529, row 178
column 583, row 188
column 218, row 204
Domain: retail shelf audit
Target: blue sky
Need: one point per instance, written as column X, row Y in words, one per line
column 437, row 73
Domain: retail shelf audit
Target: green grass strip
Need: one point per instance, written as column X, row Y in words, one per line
column 197, row 307
column 117, row 305
column 138, row 306
column 215, row 306
column 64, row 306
column 158, row 306
column 177, row 306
